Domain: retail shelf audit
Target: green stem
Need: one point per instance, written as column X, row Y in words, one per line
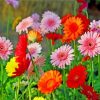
column 17, row 93
column 87, row 14
column 52, row 47
column 74, row 48
column 64, row 83
column 75, row 7
column 2, row 80
column 29, row 90
column 53, row 96
column 99, row 66
column 92, row 72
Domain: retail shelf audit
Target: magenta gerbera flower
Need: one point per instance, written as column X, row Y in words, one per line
column 90, row 44
column 24, row 25
column 62, row 56
column 5, row 48
column 50, row 22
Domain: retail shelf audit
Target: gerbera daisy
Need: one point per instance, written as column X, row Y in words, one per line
column 86, row 58
column 89, row 92
column 5, row 48
column 76, row 76
column 90, row 44
column 74, row 26
column 53, row 37
column 39, row 98
column 24, row 25
column 34, row 49
column 34, row 36
column 14, row 3
column 95, row 26
column 18, row 64
column 49, row 81
column 50, row 22
column 62, row 56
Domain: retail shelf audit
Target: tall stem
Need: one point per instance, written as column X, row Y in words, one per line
column 64, row 83
column 99, row 66
column 17, row 93
column 92, row 72
column 75, row 6
column 29, row 89
column 2, row 80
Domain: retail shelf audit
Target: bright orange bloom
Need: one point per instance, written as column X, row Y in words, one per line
column 74, row 26
column 49, row 81
column 34, row 36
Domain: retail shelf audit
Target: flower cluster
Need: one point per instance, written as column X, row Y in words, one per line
column 62, row 66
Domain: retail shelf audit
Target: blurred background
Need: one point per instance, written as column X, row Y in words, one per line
column 8, row 13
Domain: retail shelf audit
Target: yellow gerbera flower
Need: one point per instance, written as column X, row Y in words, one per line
column 39, row 98
column 10, row 70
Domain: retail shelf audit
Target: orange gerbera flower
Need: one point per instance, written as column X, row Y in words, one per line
column 74, row 26
column 49, row 81
column 34, row 36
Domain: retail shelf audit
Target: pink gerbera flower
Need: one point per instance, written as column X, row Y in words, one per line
column 90, row 44
column 5, row 48
column 50, row 22
column 34, row 49
column 95, row 26
column 62, row 56
column 24, row 24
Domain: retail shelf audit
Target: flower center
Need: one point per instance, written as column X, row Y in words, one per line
column 62, row 56
column 51, row 22
column 51, row 83
column 91, row 45
column 73, row 27
column 32, row 50
column 76, row 78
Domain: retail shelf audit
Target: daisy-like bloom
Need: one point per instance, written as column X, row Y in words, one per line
column 34, row 49
column 89, row 92
column 39, row 98
column 76, row 76
column 89, row 44
column 14, row 3
column 62, row 56
column 39, row 60
column 49, row 81
column 35, row 17
column 24, row 25
column 50, row 22
column 5, row 48
column 95, row 26
column 53, row 37
column 34, row 36
column 18, row 64
column 74, row 26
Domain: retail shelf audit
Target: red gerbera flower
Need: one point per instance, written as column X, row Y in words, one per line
column 89, row 92
column 76, row 76
column 20, row 54
column 53, row 37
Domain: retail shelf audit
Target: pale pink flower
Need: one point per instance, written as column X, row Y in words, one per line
column 34, row 49
column 50, row 22
column 5, row 48
column 24, row 25
column 62, row 56
column 90, row 44
column 95, row 26
column 39, row 60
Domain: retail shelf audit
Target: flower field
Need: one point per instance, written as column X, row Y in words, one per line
column 54, row 58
